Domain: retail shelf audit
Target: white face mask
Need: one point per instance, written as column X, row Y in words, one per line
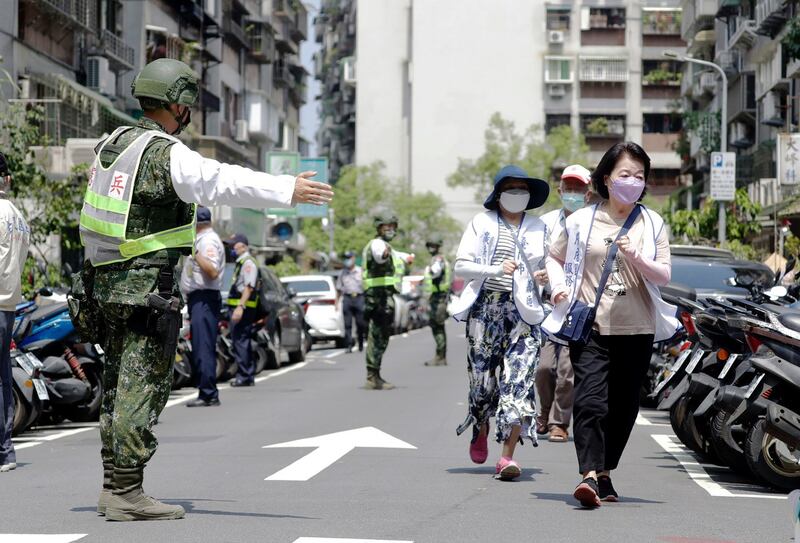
column 515, row 200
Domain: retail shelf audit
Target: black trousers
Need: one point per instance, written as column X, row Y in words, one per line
column 204, row 308
column 241, row 334
column 608, row 375
column 353, row 308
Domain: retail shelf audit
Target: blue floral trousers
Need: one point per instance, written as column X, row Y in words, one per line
column 502, row 358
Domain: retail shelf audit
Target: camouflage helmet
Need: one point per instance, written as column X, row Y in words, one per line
column 434, row 240
column 385, row 218
column 166, row 80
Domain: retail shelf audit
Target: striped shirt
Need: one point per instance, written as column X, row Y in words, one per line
column 506, row 250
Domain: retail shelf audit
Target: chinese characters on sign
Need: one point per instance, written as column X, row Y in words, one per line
column 723, row 176
column 789, row 159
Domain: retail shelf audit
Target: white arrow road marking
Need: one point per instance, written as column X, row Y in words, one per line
column 330, row 448
column 698, row 474
column 335, row 540
column 40, row 538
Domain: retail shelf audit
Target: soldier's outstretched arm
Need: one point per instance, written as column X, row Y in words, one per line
column 205, row 181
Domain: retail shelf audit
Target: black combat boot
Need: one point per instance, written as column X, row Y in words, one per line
column 129, row 502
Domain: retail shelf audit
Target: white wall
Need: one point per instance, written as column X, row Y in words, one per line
column 470, row 58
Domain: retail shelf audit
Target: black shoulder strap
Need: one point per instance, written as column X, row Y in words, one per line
column 612, row 253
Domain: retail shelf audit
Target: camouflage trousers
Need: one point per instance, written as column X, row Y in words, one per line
column 438, row 316
column 137, row 377
column 379, row 311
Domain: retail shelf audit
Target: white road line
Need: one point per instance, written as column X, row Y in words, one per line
column 337, row 540
column 696, row 471
column 642, row 421
column 40, row 538
column 335, row 353
column 190, row 395
column 27, row 445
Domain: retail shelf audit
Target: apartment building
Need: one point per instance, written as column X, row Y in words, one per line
column 605, row 76
column 431, row 74
column 745, row 38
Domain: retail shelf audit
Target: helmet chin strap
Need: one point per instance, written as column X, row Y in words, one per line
column 182, row 121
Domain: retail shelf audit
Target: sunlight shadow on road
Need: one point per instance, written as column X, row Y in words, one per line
column 570, row 500
column 188, row 505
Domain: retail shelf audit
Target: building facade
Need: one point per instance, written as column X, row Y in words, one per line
column 431, row 74
column 77, row 59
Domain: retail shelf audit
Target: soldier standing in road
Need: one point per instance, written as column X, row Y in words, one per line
column 137, row 219
column 437, row 287
column 200, row 283
column 14, row 239
column 382, row 278
column 350, row 285
column 554, row 376
column 243, row 301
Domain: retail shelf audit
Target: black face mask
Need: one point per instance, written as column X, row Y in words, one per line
column 433, row 250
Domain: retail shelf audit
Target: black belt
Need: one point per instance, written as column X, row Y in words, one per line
column 354, row 294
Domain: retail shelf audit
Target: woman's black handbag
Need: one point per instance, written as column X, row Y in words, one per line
column 580, row 317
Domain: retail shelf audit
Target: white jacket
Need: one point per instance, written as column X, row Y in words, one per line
column 474, row 263
column 15, row 236
column 578, row 226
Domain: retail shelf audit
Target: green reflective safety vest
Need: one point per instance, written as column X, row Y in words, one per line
column 234, row 296
column 107, row 206
column 386, row 274
column 445, row 280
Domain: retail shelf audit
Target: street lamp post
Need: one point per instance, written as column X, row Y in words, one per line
column 723, row 129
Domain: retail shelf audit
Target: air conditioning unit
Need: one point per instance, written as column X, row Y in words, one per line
column 349, row 70
column 240, row 130
column 555, row 36
column 98, row 76
column 556, row 90
column 80, row 151
column 708, row 82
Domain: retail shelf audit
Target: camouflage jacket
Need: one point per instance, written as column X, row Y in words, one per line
column 155, row 207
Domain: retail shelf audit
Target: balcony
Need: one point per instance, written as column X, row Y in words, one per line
column 599, row 126
column 261, row 41
column 770, row 17
column 118, row 53
column 281, row 76
column 209, row 101
column 262, row 117
column 740, row 135
column 661, row 149
column 234, row 30
column 701, row 43
column 697, row 15
column 745, row 34
column 603, row 69
column 661, row 22
column 299, row 30
column 729, row 61
column 283, row 40
column 742, row 99
column 81, row 14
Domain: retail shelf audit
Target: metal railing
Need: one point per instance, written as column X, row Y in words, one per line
column 112, row 45
column 78, row 12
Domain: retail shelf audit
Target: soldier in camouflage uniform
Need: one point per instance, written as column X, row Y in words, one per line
column 437, row 287
column 137, row 219
column 383, row 272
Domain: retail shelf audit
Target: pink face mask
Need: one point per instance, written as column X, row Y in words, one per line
column 627, row 190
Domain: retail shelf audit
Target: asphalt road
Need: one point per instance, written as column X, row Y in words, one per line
column 421, row 488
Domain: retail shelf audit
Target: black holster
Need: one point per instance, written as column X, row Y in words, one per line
column 166, row 311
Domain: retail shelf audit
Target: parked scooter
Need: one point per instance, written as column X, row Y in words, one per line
column 27, row 389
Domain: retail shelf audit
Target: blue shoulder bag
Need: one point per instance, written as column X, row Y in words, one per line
column 580, row 318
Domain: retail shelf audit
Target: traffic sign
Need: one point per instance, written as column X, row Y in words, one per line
column 723, row 176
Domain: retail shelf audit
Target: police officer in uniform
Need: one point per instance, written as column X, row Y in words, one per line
column 201, row 281
column 383, row 274
column 243, row 301
column 137, row 219
column 350, row 285
column 437, row 286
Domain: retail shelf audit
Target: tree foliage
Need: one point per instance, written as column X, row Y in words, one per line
column 700, row 226
column 365, row 191
column 286, row 266
column 537, row 153
column 50, row 206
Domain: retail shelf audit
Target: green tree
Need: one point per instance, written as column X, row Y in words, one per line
column 287, row 266
column 537, row 153
column 365, row 191
column 51, row 206
column 701, row 225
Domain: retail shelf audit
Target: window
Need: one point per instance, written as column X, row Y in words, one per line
column 603, row 125
column 602, row 18
column 661, row 123
column 558, row 18
column 551, row 121
column 557, row 70
column 661, row 72
column 604, row 69
column 307, row 286
column 661, row 21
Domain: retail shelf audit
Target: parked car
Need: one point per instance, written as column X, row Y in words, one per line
column 700, row 251
column 710, row 276
column 284, row 322
column 323, row 312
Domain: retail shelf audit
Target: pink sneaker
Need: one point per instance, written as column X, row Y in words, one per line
column 507, row 469
column 479, row 446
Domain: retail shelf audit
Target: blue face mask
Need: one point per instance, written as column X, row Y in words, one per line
column 573, row 201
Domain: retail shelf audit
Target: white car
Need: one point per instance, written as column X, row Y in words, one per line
column 323, row 312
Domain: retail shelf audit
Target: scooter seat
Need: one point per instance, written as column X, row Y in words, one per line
column 48, row 311
column 790, row 320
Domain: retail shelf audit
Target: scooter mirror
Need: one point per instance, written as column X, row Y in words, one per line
column 67, row 270
column 777, row 292
column 44, row 291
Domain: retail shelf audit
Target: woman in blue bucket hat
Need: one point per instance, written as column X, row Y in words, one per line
column 501, row 256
